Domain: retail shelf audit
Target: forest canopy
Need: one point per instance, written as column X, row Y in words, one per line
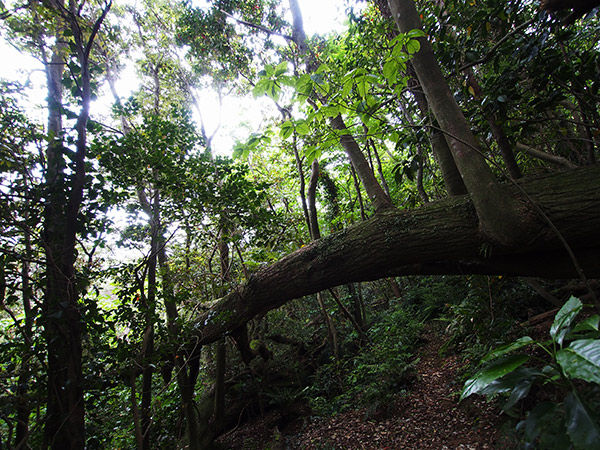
column 426, row 138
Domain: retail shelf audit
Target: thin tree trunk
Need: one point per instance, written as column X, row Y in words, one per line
column 499, row 135
column 361, row 205
column 221, row 359
column 380, row 171
column 302, row 191
column 135, row 411
column 349, row 316
column 315, row 232
column 420, row 188
column 439, row 146
column 357, row 308
column 379, row 199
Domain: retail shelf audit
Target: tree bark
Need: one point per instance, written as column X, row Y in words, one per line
column 502, row 217
column 440, row 238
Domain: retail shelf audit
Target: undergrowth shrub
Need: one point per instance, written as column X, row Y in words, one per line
column 485, row 315
column 380, row 370
column 566, row 370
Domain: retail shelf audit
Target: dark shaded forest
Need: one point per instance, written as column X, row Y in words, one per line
column 405, row 222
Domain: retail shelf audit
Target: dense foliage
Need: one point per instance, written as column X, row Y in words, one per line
column 121, row 225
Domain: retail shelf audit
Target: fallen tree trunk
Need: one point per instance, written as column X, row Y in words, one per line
column 440, row 238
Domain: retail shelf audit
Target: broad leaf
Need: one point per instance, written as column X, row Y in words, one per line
column 538, row 418
column 590, row 324
column 564, row 319
column 281, row 68
column 510, row 381
column 582, row 424
column 581, row 360
column 413, row 46
column 416, row 33
column 287, row 128
column 519, row 391
column 302, row 128
column 496, row 370
column 500, row 351
column 390, row 69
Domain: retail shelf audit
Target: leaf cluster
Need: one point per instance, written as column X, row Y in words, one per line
column 572, row 363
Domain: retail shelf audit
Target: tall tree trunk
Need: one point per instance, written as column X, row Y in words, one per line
column 183, row 363
column 302, row 190
column 377, row 195
column 150, row 311
column 65, row 425
column 503, row 219
column 221, row 359
column 315, row 234
column 24, row 406
column 361, row 204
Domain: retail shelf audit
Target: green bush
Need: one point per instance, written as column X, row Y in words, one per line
column 485, row 314
column 380, row 370
column 570, row 364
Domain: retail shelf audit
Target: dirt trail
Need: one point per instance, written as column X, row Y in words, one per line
column 428, row 418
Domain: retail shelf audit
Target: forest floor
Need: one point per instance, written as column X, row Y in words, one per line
column 427, row 417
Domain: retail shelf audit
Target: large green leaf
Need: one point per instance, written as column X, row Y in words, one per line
column 582, row 424
column 500, row 351
column 589, row 324
column 538, row 419
column 564, row 318
column 520, row 391
column 581, row 360
column 491, row 373
column 390, row 69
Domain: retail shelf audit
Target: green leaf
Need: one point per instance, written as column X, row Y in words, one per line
column 317, row 78
column 496, row 353
column 287, row 128
column 538, row 418
column 510, row 381
column 582, row 424
column 581, row 360
column 302, row 128
column 520, row 391
column 304, row 85
column 413, row 46
column 323, row 68
column 590, row 324
column 415, row 33
column 564, row 318
column 491, row 373
column 390, row 69
column 312, row 153
column 280, row 69
column 330, row 110
column 261, row 87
